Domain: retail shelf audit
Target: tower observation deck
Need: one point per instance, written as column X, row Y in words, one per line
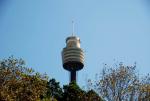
column 72, row 56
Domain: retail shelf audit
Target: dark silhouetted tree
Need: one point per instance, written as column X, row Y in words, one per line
column 72, row 92
column 54, row 90
column 91, row 95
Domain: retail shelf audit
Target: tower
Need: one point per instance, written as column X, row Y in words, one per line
column 72, row 56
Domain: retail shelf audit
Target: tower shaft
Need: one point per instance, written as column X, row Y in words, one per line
column 73, row 76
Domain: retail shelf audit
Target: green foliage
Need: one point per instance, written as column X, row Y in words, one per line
column 73, row 92
column 49, row 99
column 19, row 83
column 91, row 95
column 54, row 90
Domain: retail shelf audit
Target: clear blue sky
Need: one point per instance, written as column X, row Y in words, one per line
column 110, row 30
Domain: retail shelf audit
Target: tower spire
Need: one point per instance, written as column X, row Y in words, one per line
column 72, row 27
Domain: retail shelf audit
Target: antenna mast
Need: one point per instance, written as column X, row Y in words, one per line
column 72, row 28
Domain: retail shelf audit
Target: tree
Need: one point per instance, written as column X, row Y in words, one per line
column 91, row 95
column 144, row 92
column 19, row 83
column 72, row 92
column 54, row 90
column 118, row 84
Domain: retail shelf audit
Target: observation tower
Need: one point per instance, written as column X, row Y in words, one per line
column 72, row 56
